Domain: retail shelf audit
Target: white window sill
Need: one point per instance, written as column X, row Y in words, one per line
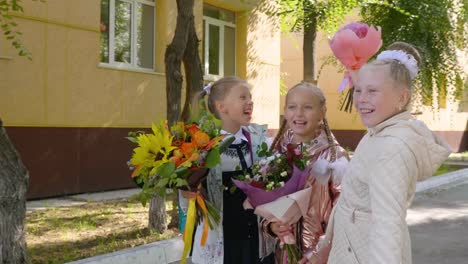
column 130, row 69
column 211, row 78
column 5, row 57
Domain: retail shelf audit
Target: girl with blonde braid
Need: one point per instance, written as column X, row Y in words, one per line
column 308, row 128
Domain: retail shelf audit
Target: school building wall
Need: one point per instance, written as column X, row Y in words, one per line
column 68, row 114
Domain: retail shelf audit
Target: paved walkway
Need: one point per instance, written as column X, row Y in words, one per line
column 438, row 224
column 80, row 199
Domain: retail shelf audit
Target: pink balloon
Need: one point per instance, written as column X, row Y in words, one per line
column 355, row 43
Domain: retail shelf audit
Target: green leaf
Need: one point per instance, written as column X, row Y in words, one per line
column 181, row 182
column 162, row 183
column 213, row 158
column 166, row 169
column 224, row 144
column 182, row 172
column 132, row 139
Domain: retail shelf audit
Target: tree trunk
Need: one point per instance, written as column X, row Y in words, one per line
column 173, row 60
column 157, row 214
column 193, row 69
column 14, row 179
column 310, row 33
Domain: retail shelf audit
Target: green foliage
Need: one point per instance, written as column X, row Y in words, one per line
column 8, row 25
column 223, row 145
column 327, row 15
column 438, row 31
column 263, row 150
column 213, row 158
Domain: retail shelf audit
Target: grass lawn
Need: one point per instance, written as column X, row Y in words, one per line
column 446, row 168
column 59, row 235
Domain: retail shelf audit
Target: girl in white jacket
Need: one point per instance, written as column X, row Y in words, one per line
column 369, row 219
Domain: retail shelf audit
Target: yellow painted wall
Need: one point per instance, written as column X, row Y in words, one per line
column 263, row 64
column 66, row 86
column 234, row 5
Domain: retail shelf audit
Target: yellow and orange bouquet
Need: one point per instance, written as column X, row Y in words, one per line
column 166, row 158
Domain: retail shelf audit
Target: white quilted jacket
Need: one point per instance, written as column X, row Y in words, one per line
column 369, row 223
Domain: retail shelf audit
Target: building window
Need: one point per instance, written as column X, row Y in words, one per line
column 219, row 42
column 127, row 33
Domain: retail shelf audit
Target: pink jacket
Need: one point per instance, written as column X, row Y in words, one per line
column 325, row 192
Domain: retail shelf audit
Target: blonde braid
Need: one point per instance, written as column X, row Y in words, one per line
column 330, row 139
column 281, row 131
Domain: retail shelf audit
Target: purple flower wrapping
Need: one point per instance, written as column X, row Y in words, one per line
column 258, row 196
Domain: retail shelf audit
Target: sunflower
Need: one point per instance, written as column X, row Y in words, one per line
column 153, row 149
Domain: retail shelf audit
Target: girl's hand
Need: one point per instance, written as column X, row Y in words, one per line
column 281, row 230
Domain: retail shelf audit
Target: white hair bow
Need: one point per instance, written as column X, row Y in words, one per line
column 207, row 88
column 404, row 58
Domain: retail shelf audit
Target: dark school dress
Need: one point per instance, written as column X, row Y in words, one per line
column 240, row 226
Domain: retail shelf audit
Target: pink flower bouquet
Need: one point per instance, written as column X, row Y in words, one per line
column 275, row 190
column 257, row 195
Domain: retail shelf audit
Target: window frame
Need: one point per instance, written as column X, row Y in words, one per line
column 206, row 38
column 133, row 36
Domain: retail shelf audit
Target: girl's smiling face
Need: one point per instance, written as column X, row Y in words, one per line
column 376, row 96
column 303, row 113
column 236, row 108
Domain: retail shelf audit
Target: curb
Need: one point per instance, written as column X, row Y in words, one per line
column 166, row 251
column 444, row 181
column 169, row 251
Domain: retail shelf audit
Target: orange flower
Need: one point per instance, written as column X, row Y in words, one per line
column 192, row 128
column 177, row 143
column 177, row 160
column 201, row 138
column 195, row 156
column 214, row 141
column 187, row 148
column 135, row 171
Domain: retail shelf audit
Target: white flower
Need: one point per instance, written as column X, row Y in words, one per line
column 281, row 184
column 278, row 155
column 271, row 158
column 284, row 174
column 278, row 161
column 247, row 177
